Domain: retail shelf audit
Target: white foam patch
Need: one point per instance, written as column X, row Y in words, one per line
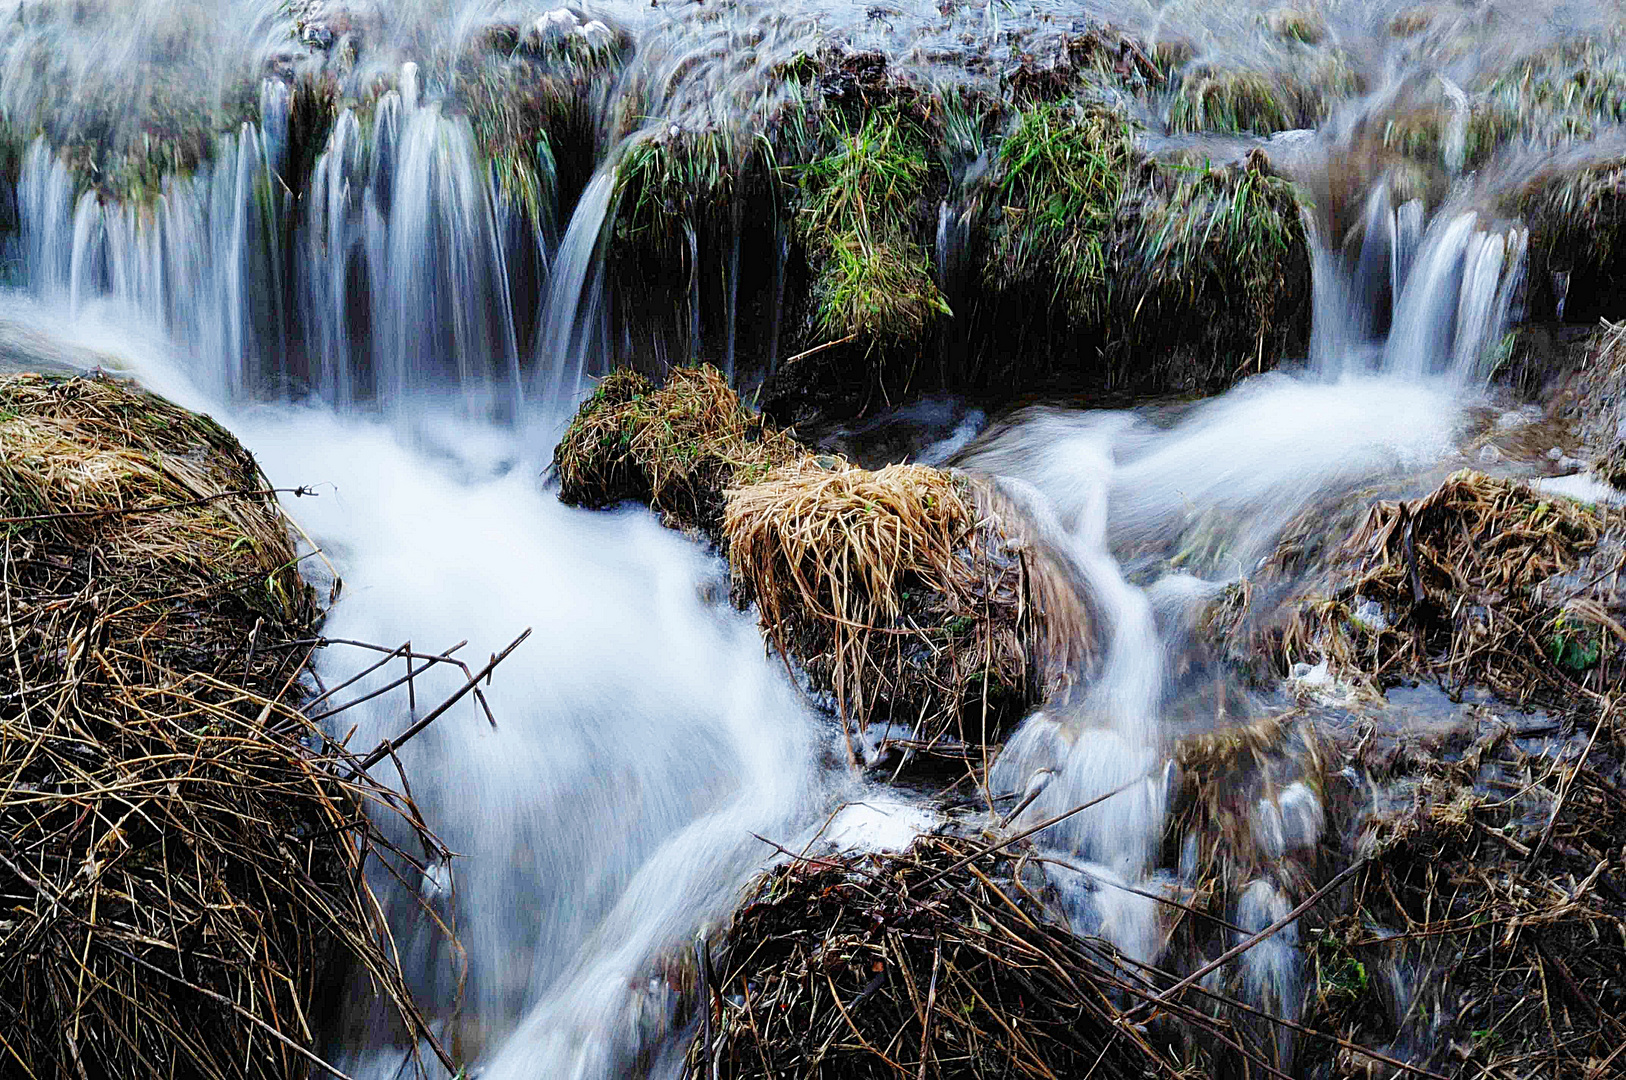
column 1582, row 487
column 879, row 824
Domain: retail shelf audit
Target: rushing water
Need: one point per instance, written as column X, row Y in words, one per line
column 642, row 737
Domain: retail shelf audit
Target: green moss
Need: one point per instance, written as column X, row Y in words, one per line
column 857, row 204
column 1061, row 174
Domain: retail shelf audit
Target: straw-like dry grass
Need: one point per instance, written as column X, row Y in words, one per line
column 180, row 852
column 1478, row 583
column 908, row 595
column 675, row 448
column 910, row 965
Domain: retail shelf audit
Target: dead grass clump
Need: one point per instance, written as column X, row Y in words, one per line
column 1493, row 885
column 1599, row 401
column 178, row 866
column 911, row 965
column 676, row 448
column 911, row 594
column 1447, row 586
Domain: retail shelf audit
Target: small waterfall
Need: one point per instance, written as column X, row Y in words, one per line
column 413, row 223
column 1457, row 297
column 200, row 257
column 1414, row 303
column 575, row 320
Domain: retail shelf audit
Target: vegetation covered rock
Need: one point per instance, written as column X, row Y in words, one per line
column 1486, row 582
column 675, row 448
column 915, row 596
column 180, row 854
column 943, row 960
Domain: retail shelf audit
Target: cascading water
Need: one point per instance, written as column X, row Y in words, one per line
column 200, row 258
column 408, row 220
column 642, row 737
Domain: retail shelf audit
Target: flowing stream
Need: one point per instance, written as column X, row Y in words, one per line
column 644, row 741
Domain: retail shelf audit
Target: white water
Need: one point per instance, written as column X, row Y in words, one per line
column 643, row 736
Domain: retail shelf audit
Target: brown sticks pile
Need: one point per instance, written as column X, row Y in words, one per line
column 1471, row 583
column 907, row 966
column 181, row 852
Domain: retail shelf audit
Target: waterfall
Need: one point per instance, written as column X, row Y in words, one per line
column 575, row 321
column 200, row 257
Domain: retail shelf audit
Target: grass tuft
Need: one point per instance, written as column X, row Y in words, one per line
column 1062, row 172
column 873, row 279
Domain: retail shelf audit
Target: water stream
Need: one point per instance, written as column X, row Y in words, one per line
column 643, row 739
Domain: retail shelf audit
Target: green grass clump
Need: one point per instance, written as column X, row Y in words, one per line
column 1061, row 174
column 1567, row 92
column 1216, row 237
column 1581, row 214
column 1303, row 25
column 665, row 181
column 1423, row 134
column 1298, row 91
column 676, row 447
column 1228, row 101
column 858, row 201
column 517, row 111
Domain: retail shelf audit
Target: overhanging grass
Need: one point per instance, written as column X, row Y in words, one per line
column 1230, row 231
column 1296, row 93
column 669, row 179
column 1062, row 172
column 857, row 201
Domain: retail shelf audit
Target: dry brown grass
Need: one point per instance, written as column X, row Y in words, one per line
column 675, row 448
column 1473, row 583
column 180, row 852
column 1498, row 883
column 907, row 595
column 904, row 966
column 1598, row 400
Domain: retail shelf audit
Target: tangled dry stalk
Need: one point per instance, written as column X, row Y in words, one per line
column 1473, row 584
column 1498, row 882
column 181, row 852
